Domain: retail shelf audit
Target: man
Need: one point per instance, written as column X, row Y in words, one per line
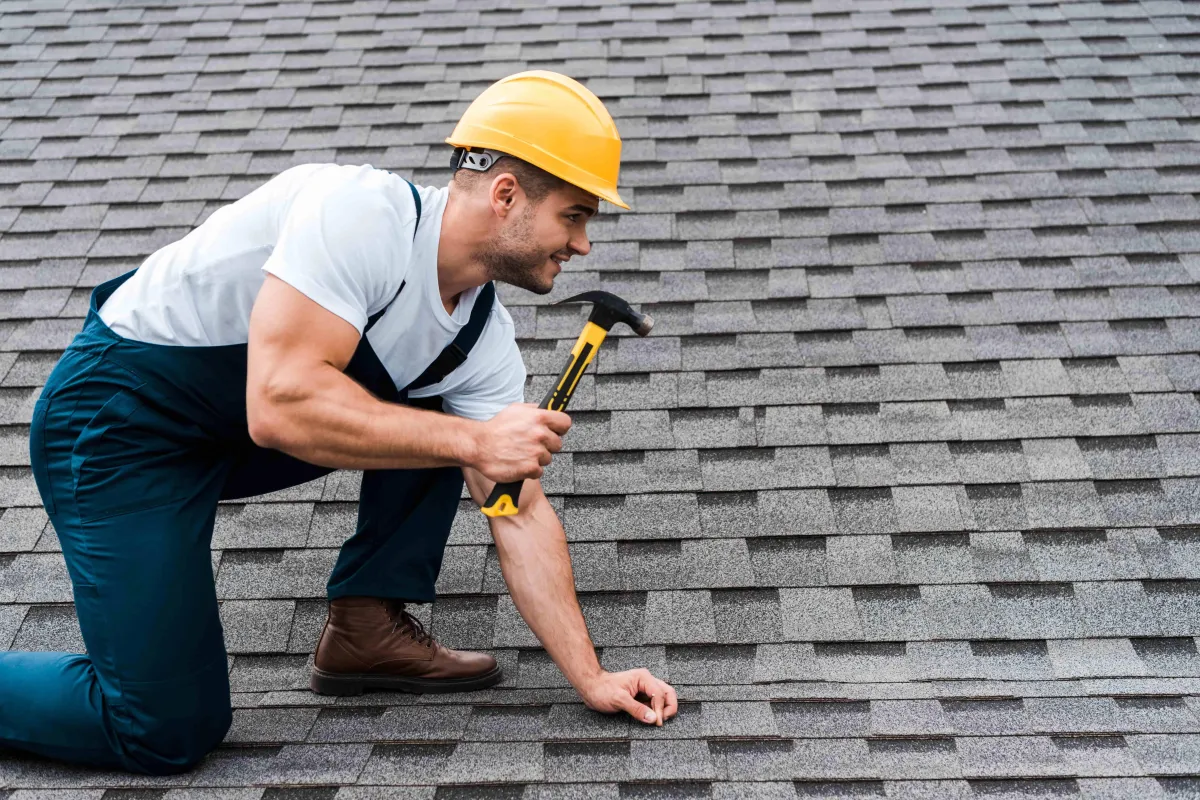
column 323, row 321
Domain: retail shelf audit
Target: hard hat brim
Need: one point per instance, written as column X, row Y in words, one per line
column 579, row 180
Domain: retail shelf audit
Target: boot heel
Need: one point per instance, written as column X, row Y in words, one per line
column 337, row 685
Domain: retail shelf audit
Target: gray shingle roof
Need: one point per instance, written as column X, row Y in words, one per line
column 903, row 494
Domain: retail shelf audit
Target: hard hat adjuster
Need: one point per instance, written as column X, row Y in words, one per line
column 477, row 160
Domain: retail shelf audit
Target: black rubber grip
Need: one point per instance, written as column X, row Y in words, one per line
column 496, row 504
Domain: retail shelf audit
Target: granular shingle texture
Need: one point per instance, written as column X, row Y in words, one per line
column 902, row 494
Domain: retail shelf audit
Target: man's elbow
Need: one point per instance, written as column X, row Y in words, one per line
column 266, row 419
column 264, row 429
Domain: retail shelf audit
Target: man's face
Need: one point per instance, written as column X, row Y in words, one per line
column 532, row 241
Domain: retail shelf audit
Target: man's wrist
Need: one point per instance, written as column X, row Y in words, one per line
column 588, row 678
column 465, row 445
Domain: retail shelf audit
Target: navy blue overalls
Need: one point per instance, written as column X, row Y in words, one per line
column 132, row 445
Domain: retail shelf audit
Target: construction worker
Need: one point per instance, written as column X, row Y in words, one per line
column 337, row 317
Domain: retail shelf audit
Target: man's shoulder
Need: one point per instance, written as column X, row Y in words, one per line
column 358, row 179
column 372, row 197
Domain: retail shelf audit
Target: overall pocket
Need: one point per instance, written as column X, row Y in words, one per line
column 130, row 457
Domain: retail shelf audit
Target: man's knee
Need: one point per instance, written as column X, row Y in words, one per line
column 165, row 747
column 166, row 733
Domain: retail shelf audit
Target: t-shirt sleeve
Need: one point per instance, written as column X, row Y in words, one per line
column 339, row 244
column 492, row 377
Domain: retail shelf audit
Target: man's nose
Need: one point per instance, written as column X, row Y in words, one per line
column 580, row 244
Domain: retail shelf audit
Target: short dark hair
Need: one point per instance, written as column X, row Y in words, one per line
column 535, row 181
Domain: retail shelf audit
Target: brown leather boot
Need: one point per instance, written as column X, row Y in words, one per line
column 368, row 643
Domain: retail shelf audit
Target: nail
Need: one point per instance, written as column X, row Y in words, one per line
column 649, row 716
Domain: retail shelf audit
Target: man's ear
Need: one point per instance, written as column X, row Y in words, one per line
column 505, row 191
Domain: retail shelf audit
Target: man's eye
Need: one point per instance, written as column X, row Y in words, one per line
column 573, row 217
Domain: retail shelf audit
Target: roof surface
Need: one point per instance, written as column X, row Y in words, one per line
column 899, row 494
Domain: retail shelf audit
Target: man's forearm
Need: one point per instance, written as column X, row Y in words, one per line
column 333, row 421
column 537, row 568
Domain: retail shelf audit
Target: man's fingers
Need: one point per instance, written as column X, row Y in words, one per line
column 557, row 421
column 651, row 687
column 636, row 710
column 662, row 694
column 672, row 701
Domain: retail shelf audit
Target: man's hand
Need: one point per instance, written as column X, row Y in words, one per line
column 610, row 692
column 532, row 548
column 516, row 443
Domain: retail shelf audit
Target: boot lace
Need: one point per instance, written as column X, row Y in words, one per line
column 402, row 619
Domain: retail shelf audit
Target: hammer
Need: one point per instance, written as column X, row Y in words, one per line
column 607, row 310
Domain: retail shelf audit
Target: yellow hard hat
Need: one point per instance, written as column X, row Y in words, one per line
column 548, row 120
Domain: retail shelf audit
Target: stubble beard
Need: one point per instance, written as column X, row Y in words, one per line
column 516, row 259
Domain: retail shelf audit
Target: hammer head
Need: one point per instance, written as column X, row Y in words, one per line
column 608, row 310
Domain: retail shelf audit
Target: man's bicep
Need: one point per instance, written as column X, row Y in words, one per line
column 289, row 331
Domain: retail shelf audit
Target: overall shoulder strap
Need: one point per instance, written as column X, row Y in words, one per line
column 416, row 200
column 457, row 351
column 371, row 320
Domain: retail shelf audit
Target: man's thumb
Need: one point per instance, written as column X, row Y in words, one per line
column 637, row 710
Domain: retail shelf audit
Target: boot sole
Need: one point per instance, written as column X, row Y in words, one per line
column 348, row 685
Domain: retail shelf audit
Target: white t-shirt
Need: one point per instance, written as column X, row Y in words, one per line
column 342, row 235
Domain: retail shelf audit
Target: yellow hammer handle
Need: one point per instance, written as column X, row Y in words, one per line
column 504, row 501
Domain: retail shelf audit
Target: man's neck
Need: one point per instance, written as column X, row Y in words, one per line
column 457, row 268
